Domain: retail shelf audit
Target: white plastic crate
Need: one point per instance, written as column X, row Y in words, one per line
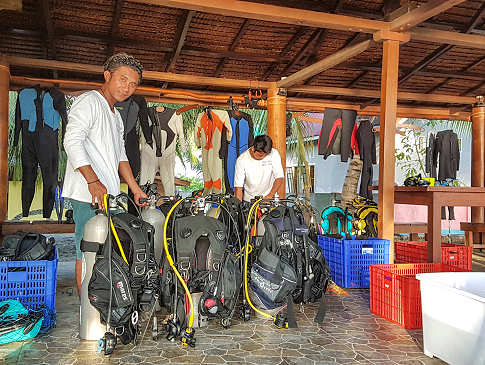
column 453, row 307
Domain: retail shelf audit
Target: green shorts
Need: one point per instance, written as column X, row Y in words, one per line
column 81, row 212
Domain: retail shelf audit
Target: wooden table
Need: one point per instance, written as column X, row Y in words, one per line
column 434, row 197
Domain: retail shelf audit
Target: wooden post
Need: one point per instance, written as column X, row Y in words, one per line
column 478, row 158
column 4, row 89
column 389, row 79
column 277, row 125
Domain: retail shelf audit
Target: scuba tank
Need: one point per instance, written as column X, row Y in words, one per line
column 95, row 233
column 156, row 218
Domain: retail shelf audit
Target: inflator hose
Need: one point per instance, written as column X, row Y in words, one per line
column 246, row 254
column 172, row 265
column 114, row 230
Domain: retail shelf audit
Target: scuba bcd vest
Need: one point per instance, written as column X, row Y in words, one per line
column 23, row 246
column 366, row 216
column 134, row 284
column 205, row 259
column 336, row 222
column 289, row 266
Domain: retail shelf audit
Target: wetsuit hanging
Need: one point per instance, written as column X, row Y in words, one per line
column 242, row 139
column 38, row 114
column 430, row 164
column 336, row 133
column 133, row 110
column 367, row 149
column 167, row 128
column 208, row 131
column 446, row 146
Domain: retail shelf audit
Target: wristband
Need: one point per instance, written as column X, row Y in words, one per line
column 93, row 181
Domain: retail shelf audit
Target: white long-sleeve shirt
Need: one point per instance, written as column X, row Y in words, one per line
column 94, row 136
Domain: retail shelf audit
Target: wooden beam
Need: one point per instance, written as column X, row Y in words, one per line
column 389, row 84
column 315, row 35
column 4, row 89
column 180, row 35
column 115, row 26
column 452, row 38
column 50, row 47
column 325, row 64
column 147, row 75
column 277, row 14
column 257, row 57
column 242, row 30
column 298, row 34
column 382, row 35
column 448, row 79
column 365, row 93
column 362, row 66
column 422, row 13
column 15, row 5
column 475, row 88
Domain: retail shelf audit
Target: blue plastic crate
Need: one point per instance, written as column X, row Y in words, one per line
column 349, row 260
column 33, row 283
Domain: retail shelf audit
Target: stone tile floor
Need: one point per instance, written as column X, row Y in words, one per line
column 349, row 335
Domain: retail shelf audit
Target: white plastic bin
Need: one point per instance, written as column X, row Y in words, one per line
column 453, row 307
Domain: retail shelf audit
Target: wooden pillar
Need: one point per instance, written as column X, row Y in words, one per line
column 389, row 85
column 4, row 89
column 478, row 158
column 277, row 125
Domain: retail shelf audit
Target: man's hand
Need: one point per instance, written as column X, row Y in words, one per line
column 97, row 190
column 137, row 195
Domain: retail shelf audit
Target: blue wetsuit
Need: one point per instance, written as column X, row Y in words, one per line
column 242, row 139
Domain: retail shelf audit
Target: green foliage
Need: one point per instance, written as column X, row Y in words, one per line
column 195, row 184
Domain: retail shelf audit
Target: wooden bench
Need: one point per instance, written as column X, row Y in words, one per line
column 470, row 228
column 44, row 227
column 413, row 229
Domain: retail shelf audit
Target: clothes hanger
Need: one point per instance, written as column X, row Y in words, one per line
column 160, row 108
column 186, row 108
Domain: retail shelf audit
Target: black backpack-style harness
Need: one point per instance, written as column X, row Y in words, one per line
column 290, row 268
column 134, row 284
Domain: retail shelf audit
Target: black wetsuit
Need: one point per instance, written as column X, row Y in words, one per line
column 336, row 133
column 446, row 146
column 367, row 149
column 132, row 110
column 38, row 115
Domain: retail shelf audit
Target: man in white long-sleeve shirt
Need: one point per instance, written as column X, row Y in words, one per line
column 95, row 147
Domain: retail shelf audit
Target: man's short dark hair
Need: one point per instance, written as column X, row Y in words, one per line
column 123, row 59
column 263, row 143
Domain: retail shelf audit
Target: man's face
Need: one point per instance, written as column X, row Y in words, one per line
column 122, row 82
column 258, row 155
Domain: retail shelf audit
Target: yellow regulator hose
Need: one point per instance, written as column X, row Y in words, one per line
column 114, row 230
column 172, row 265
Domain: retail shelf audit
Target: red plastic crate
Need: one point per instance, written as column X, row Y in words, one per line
column 395, row 292
column 417, row 251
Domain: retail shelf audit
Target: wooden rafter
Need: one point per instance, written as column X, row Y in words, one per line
column 363, row 66
column 115, row 26
column 422, row 13
column 475, row 88
column 314, row 36
column 298, row 34
column 232, row 47
column 280, row 14
column 445, row 37
column 50, row 47
column 15, row 5
column 325, row 64
column 448, row 79
column 180, row 35
column 271, row 13
column 366, row 93
column 147, row 75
